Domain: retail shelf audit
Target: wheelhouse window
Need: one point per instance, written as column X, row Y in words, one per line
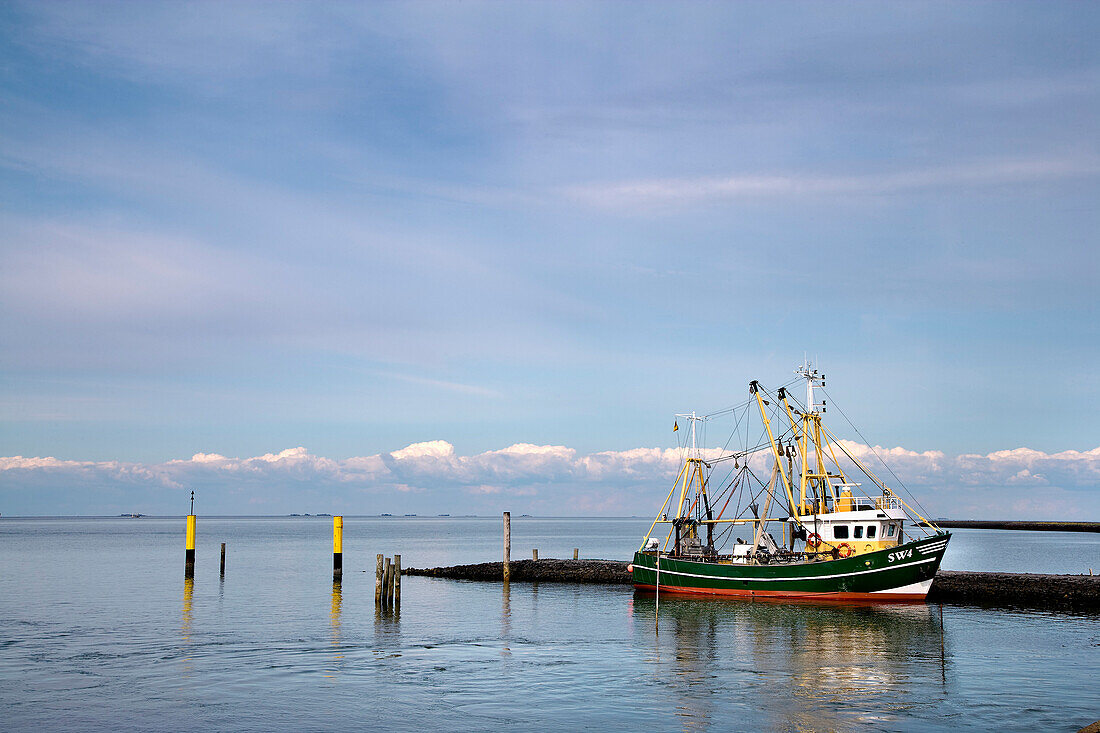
column 871, row 530
column 890, row 529
column 840, row 532
column 858, row 531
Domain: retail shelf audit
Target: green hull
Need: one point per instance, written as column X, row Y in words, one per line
column 904, row 572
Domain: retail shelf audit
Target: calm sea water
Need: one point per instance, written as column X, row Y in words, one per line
column 99, row 630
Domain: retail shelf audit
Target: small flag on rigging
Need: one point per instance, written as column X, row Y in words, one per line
column 675, row 426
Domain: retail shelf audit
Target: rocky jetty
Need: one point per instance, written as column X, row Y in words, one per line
column 1017, row 589
column 607, row 572
column 1026, row 526
column 1081, row 592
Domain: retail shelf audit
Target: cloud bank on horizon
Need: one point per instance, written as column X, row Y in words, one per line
column 432, row 478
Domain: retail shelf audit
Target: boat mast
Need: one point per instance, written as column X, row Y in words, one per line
column 693, row 473
column 815, row 477
column 694, row 442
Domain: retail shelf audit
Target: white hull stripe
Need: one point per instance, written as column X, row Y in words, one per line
column 788, row 580
column 917, row 589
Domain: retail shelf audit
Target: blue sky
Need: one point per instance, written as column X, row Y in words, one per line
column 237, row 229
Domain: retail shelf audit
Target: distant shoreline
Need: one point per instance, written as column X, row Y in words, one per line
column 1018, row 525
column 944, row 523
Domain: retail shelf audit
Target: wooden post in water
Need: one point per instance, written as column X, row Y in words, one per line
column 507, row 546
column 387, row 584
column 378, row 580
column 189, row 551
column 385, row 581
column 576, row 552
column 534, row 554
column 337, row 549
column 223, row 559
column 396, row 580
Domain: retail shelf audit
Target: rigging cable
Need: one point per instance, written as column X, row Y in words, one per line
column 726, row 446
column 749, row 401
column 868, row 444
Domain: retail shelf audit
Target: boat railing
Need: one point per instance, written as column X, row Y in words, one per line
column 874, row 502
column 784, row 557
column 888, row 502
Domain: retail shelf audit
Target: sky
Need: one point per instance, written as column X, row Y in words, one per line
column 466, row 257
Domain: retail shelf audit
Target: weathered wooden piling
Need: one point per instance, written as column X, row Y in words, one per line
column 337, row 548
column 507, row 546
column 396, row 580
column 576, row 552
column 223, row 560
column 387, row 583
column 534, row 554
column 189, row 551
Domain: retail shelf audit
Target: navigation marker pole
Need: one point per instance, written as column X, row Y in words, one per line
column 189, row 550
column 337, row 549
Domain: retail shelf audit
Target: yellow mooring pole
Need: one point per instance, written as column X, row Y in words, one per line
column 189, row 553
column 337, row 549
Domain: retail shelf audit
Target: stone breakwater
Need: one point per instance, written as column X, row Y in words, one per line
column 606, row 572
column 1026, row 526
column 1024, row 589
column 1016, row 589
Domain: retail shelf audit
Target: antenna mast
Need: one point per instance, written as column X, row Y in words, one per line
column 694, row 419
column 813, row 379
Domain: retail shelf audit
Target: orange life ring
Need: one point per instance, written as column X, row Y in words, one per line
column 813, row 540
column 844, row 549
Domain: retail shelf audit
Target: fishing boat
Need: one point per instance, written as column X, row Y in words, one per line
column 812, row 530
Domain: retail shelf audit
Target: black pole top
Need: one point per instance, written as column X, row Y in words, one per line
column 192, row 502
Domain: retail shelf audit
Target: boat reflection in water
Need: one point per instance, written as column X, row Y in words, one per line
column 807, row 666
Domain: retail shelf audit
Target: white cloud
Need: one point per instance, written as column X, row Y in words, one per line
column 545, row 478
column 690, row 191
column 440, row 449
column 472, row 389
